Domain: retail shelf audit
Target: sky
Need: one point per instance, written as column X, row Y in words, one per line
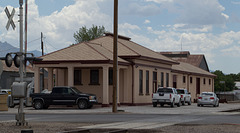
column 209, row 27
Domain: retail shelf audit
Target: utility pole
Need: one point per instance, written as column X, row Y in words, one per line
column 42, row 47
column 115, row 57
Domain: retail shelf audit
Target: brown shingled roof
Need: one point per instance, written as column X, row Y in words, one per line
column 81, row 52
column 101, row 49
column 188, row 68
column 185, row 56
column 129, row 49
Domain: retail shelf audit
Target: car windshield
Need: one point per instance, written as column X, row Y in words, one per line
column 76, row 90
column 180, row 91
column 207, row 94
column 165, row 90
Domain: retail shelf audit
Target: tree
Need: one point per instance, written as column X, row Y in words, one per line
column 229, row 84
column 85, row 34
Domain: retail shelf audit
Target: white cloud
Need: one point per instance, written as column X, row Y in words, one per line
column 147, row 21
column 59, row 27
column 141, row 10
column 159, row 1
column 232, row 51
column 127, row 26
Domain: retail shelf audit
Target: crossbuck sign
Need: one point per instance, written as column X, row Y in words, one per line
column 10, row 18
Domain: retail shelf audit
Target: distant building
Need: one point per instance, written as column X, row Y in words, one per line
column 185, row 56
column 237, row 84
column 9, row 75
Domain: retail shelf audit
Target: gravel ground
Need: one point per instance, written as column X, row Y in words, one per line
column 56, row 127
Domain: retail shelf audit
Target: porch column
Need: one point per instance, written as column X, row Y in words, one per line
column 126, row 83
column 118, row 98
column 70, row 76
column 105, row 99
column 50, row 79
column 36, row 79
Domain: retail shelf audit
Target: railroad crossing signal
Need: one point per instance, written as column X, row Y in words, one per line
column 10, row 18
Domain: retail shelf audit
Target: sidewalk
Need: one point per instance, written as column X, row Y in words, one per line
column 148, row 109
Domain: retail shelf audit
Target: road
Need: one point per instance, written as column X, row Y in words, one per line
column 131, row 118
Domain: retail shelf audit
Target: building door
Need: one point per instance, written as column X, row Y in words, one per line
column 198, row 86
column 154, row 82
column 174, row 81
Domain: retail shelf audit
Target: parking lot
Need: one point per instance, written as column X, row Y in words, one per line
column 147, row 109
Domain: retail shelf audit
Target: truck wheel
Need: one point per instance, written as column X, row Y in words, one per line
column 172, row 104
column 190, row 102
column 179, row 103
column 154, row 104
column 162, row 104
column 38, row 104
column 90, row 106
column 183, row 103
column 45, row 106
column 82, row 104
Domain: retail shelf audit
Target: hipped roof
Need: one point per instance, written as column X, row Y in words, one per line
column 101, row 50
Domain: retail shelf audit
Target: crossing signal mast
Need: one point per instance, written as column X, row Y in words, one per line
column 19, row 89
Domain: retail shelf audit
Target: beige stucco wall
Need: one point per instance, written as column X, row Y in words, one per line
column 128, row 89
column 151, row 67
column 192, row 86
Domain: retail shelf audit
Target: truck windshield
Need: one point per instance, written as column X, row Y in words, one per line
column 76, row 90
column 180, row 91
column 165, row 90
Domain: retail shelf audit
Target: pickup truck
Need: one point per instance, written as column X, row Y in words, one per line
column 166, row 95
column 63, row 96
column 185, row 96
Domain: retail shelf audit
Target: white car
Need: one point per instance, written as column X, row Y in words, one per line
column 185, row 96
column 208, row 98
column 166, row 95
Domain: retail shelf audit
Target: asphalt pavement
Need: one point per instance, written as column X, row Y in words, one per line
column 147, row 109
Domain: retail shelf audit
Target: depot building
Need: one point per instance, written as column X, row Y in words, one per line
column 89, row 67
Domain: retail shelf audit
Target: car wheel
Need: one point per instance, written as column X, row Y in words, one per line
column 198, row 105
column 38, row 104
column 190, row 102
column 82, row 104
column 162, row 104
column 154, row 104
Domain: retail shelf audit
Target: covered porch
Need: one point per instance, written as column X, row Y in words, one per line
column 88, row 78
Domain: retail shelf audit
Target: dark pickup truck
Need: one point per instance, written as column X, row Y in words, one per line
column 63, row 96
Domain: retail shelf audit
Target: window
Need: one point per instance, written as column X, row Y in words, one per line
column 204, row 81
column 209, row 81
column 184, row 79
column 190, row 79
column 94, row 77
column 147, row 82
column 162, row 79
column 110, row 77
column 167, row 79
column 77, row 77
column 140, row 81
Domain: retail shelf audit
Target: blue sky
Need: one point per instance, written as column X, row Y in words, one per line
column 209, row 27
